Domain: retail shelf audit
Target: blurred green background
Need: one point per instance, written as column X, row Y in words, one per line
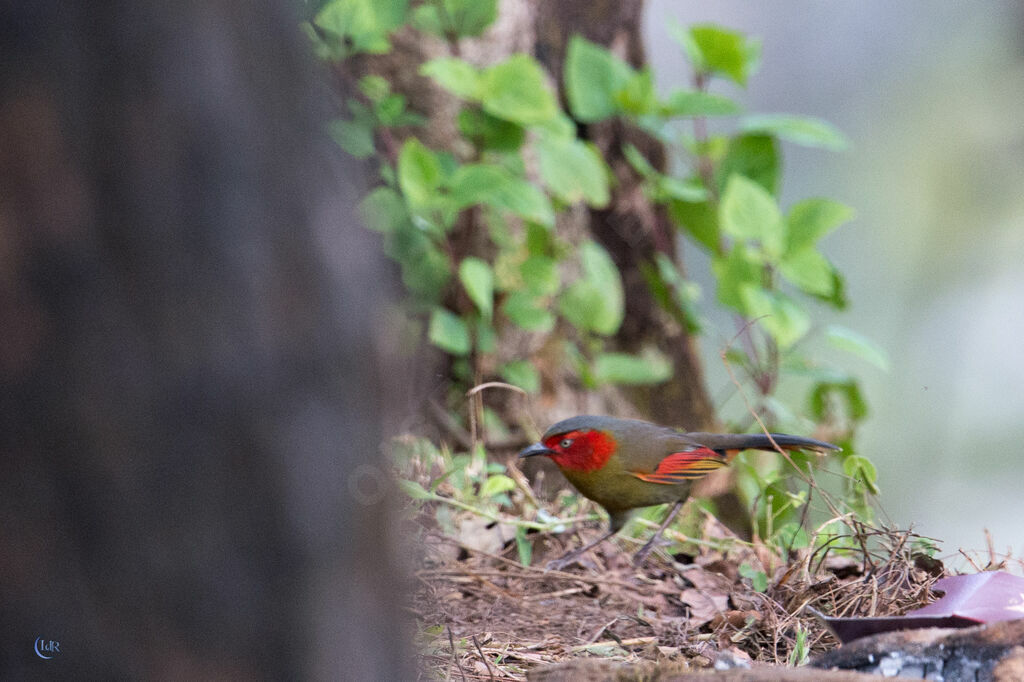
column 931, row 96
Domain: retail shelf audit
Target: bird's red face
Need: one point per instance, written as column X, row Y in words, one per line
column 581, row 450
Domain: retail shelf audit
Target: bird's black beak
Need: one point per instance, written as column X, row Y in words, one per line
column 536, row 449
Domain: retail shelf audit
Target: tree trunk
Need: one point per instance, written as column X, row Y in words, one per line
column 190, row 484
column 631, row 227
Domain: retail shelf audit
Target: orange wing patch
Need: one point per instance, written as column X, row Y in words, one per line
column 680, row 467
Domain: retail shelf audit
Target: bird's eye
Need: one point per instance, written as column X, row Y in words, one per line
column 566, row 442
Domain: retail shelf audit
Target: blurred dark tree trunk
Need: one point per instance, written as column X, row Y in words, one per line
column 190, row 484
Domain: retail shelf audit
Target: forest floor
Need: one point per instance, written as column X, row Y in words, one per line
column 486, row 616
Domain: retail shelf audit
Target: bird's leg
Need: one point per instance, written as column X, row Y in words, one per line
column 642, row 553
column 567, row 559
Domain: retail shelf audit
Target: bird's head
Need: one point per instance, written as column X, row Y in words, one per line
column 577, row 444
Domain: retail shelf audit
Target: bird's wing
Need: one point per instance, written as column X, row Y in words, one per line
column 679, row 467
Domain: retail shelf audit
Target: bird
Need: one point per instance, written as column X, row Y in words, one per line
column 625, row 464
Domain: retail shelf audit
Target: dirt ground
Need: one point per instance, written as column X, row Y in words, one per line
column 485, row 616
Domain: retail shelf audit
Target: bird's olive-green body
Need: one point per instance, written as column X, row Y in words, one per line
column 605, row 459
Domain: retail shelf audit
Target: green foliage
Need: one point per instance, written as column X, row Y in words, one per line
column 351, row 26
column 810, row 132
column 478, row 279
column 474, row 229
column 714, row 50
column 594, row 78
column 749, row 213
column 757, row 578
column 455, row 18
column 448, row 332
column 858, row 344
column 622, row 368
column 571, row 170
column 596, row 301
column 516, row 90
column 755, row 157
column 455, row 75
column 801, row 652
column 521, row 373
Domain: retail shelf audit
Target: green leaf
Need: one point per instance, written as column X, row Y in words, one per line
column 390, row 111
column 425, row 270
column 803, row 130
column 540, row 275
column 477, row 183
column 539, row 239
column 667, row 187
column 455, row 75
column 597, row 301
column 572, row 170
column 374, row 87
column 809, row 270
column 713, row 49
column 821, row 394
column 516, row 90
column 354, row 137
column 863, row 470
column 489, row 131
column 792, row 536
column 326, row 46
column 664, row 188
column 470, row 17
column 753, row 156
column 749, row 212
column 758, row 579
column 526, row 201
column 448, row 332
column 496, row 484
column 485, row 336
column 526, row 311
column 638, row 96
column 858, row 344
column 521, row 373
column 362, row 25
column 638, row 161
column 478, row 279
column 812, row 219
column 419, row 171
column 413, row 489
column 634, row 370
column 690, row 103
column 593, row 78
column 427, row 18
column 674, row 293
column 559, row 126
column 736, row 271
column 700, row 219
column 778, row 314
column 480, row 183
column 523, row 546
column 383, row 210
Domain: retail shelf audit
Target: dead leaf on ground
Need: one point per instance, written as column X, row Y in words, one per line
column 704, row 606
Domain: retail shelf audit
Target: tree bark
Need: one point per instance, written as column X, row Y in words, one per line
column 190, row 398
column 631, row 228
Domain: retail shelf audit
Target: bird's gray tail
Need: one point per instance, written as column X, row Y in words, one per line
column 759, row 441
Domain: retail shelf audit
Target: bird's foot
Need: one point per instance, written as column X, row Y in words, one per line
column 556, row 565
column 562, row 562
column 641, row 554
